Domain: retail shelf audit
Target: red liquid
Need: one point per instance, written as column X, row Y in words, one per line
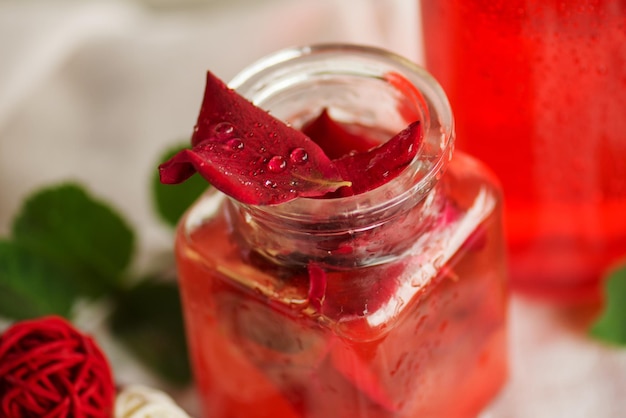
column 419, row 336
column 538, row 90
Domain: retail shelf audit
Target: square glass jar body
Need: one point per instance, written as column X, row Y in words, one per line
column 387, row 304
column 420, row 336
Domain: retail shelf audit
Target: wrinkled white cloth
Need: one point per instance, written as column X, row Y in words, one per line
column 94, row 91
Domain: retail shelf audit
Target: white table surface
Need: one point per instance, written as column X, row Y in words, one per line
column 94, row 91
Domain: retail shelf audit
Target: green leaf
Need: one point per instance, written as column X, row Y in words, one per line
column 148, row 320
column 79, row 233
column 611, row 325
column 31, row 286
column 172, row 200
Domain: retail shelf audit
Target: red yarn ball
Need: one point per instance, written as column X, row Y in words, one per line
column 49, row 369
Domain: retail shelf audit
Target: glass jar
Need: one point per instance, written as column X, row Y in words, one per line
column 538, row 89
column 390, row 303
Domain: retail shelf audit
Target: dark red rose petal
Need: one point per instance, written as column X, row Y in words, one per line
column 317, row 285
column 377, row 166
column 248, row 154
column 334, row 138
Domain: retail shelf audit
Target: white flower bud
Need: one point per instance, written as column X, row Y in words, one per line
column 136, row 401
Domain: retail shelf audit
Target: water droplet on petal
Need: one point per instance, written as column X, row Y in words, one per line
column 224, row 130
column 299, row 156
column 235, row 144
column 276, row 164
column 270, row 184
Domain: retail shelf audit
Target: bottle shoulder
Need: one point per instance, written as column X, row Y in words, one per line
column 467, row 177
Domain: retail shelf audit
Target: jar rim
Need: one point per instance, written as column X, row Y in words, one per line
column 260, row 80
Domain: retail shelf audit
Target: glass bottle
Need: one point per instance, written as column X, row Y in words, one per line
column 390, row 303
column 538, row 89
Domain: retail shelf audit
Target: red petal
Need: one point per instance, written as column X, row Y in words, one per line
column 250, row 155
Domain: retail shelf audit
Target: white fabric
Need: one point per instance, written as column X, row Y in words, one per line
column 94, row 91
